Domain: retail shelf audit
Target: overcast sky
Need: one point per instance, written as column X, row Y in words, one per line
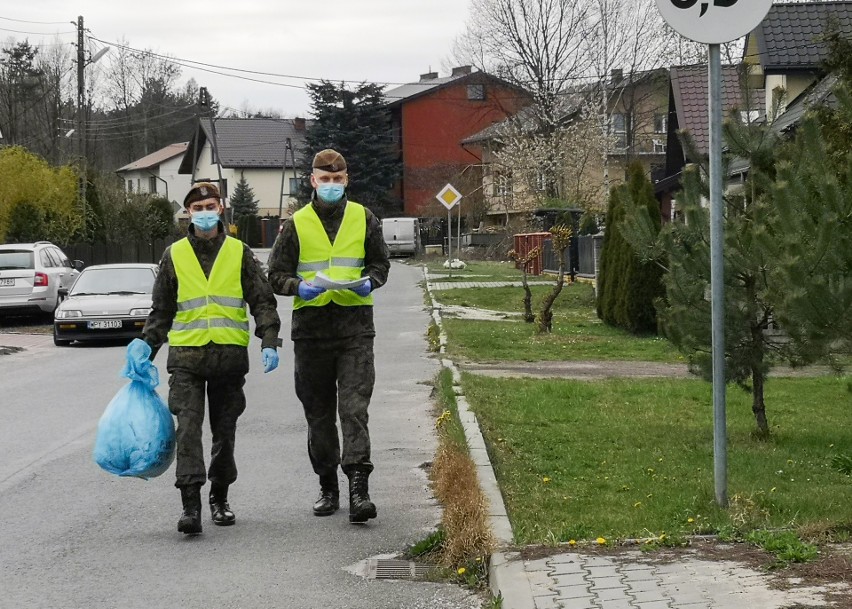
column 391, row 41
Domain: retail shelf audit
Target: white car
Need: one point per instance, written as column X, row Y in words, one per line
column 107, row 301
column 34, row 277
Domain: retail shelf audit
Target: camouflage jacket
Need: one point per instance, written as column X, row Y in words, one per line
column 256, row 292
column 331, row 321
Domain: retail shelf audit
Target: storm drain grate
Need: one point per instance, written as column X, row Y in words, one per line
column 386, row 568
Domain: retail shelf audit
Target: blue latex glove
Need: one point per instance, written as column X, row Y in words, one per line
column 308, row 291
column 364, row 289
column 270, row 359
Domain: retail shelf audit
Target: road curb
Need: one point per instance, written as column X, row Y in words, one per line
column 507, row 576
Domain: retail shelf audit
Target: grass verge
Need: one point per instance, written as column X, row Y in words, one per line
column 464, row 541
column 634, row 458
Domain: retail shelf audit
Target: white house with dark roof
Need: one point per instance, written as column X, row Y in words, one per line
column 157, row 173
column 785, row 53
column 266, row 151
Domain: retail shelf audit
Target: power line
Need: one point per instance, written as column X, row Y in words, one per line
column 3, row 29
column 35, row 22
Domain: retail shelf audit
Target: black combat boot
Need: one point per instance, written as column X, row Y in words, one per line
column 329, row 499
column 190, row 520
column 361, row 509
column 219, row 508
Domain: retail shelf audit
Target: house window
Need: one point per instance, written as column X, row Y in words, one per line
column 294, row 185
column 540, row 182
column 476, row 92
column 502, row 184
column 129, row 185
column 152, row 185
column 659, row 147
column 749, row 116
column 661, row 123
column 618, row 126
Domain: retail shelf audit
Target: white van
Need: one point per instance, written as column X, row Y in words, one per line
column 402, row 236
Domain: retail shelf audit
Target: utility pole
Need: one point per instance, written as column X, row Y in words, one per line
column 81, row 116
column 204, row 109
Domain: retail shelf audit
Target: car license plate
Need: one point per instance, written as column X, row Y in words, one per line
column 104, row 325
column 9, row 281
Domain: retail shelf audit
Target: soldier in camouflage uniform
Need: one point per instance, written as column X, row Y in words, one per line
column 199, row 298
column 333, row 330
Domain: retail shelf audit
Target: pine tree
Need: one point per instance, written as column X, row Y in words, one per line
column 750, row 351
column 243, row 202
column 356, row 123
column 812, row 197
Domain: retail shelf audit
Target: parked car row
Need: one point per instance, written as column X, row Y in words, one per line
column 34, row 277
column 106, row 301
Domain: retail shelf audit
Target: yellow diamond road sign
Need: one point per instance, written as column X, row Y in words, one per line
column 449, row 196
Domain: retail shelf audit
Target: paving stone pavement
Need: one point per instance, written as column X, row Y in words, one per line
column 636, row 580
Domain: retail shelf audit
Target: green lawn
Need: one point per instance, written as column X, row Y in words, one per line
column 577, row 332
column 634, row 458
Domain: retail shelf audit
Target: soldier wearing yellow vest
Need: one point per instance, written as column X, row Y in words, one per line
column 199, row 305
column 333, row 329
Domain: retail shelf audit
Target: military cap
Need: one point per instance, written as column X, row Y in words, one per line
column 329, row 160
column 200, row 191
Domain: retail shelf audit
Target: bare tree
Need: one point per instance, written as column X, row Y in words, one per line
column 535, row 44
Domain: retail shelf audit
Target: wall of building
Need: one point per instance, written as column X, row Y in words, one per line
column 793, row 84
column 266, row 183
column 432, row 129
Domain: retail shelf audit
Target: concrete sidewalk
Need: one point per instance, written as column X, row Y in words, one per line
column 572, row 578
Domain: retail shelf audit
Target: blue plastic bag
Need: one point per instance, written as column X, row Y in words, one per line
column 136, row 433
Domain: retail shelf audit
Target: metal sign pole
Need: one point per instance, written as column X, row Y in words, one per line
column 717, row 289
column 458, row 243
column 450, row 240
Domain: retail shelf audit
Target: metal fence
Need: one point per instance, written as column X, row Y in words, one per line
column 110, row 253
column 580, row 257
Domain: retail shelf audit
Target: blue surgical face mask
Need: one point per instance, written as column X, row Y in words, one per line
column 205, row 220
column 330, row 193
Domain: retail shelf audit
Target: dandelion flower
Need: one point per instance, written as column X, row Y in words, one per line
column 572, row 542
column 690, row 520
column 461, row 571
column 601, row 541
column 546, row 479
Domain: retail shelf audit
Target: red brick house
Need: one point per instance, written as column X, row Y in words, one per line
column 429, row 120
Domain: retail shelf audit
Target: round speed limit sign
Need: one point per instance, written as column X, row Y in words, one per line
column 713, row 21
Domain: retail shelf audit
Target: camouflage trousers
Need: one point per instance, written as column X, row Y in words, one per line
column 227, row 402
column 335, row 378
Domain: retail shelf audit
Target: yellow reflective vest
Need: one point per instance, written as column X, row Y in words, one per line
column 342, row 260
column 209, row 309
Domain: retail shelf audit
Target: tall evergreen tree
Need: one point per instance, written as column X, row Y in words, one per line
column 642, row 284
column 628, row 285
column 243, row 202
column 356, row 123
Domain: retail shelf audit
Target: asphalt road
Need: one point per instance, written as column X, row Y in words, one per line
column 75, row 537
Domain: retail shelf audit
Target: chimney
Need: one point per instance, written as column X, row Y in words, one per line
column 461, row 70
column 616, row 75
column 299, row 124
column 428, row 76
